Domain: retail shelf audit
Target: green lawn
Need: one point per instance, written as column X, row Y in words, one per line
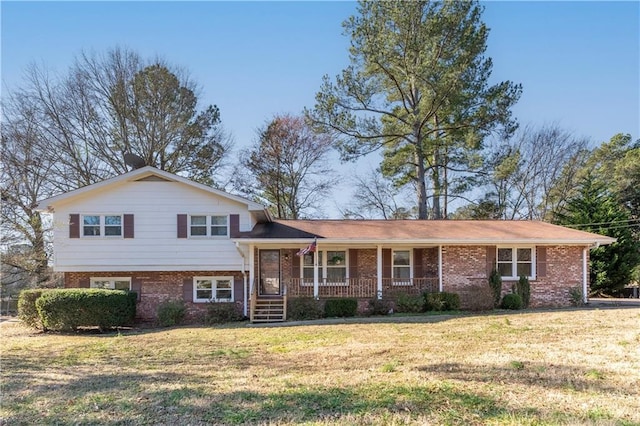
column 553, row 367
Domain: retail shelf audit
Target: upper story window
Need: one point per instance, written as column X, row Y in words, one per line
column 332, row 266
column 114, row 283
column 401, row 267
column 102, row 225
column 213, row 289
column 514, row 262
column 208, row 226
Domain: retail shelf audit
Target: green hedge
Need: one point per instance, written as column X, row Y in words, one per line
column 68, row 309
column 221, row 313
column 409, row 303
column 512, row 301
column 523, row 288
column 441, row 301
column 379, row 307
column 27, row 311
column 171, row 312
column 304, row 308
column 340, row 308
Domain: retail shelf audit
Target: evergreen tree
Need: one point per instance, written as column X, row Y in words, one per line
column 595, row 209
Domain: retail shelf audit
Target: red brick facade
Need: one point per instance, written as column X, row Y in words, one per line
column 465, row 266
column 559, row 270
column 157, row 287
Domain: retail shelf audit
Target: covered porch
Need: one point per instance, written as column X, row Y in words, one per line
column 322, row 270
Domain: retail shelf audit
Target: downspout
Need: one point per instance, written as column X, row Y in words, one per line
column 440, row 284
column 244, row 279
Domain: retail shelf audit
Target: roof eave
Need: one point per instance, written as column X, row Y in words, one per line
column 428, row 241
column 48, row 204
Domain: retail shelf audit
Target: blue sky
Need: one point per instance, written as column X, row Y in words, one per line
column 578, row 61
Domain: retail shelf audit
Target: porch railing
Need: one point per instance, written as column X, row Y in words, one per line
column 360, row 288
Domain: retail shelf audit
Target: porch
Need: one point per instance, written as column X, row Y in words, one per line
column 264, row 306
column 363, row 273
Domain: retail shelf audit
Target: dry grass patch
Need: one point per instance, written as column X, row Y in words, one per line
column 564, row 367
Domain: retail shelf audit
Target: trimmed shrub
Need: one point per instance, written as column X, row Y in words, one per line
column 27, row 311
column 379, row 307
column 511, row 301
column 441, row 301
column 495, row 282
column 220, row 313
column 409, row 303
column 304, row 308
column 68, row 309
column 344, row 307
column 479, row 298
column 523, row 288
column 171, row 312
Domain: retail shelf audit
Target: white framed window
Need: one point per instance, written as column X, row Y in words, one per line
column 514, row 262
column 208, row 226
column 401, row 267
column 102, row 225
column 212, row 289
column 113, row 283
column 332, row 267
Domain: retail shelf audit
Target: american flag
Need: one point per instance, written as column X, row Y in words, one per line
column 311, row 248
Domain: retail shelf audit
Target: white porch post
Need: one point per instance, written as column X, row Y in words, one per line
column 585, row 278
column 379, row 271
column 440, row 285
column 316, row 292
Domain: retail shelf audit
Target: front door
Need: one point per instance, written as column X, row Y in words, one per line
column 269, row 272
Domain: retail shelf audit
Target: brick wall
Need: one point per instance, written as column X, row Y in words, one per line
column 157, row 287
column 367, row 263
column 462, row 268
column 465, row 266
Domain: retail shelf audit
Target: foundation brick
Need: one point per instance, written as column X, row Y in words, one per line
column 157, row 287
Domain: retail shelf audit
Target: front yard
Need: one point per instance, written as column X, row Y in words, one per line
column 551, row 367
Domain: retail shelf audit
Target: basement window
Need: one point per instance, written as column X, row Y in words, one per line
column 113, row 283
column 212, row 289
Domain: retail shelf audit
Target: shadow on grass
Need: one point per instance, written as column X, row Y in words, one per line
column 549, row 376
column 137, row 399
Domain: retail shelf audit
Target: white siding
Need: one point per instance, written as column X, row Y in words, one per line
column 155, row 206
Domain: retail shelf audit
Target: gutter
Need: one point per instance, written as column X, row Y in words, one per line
column 423, row 241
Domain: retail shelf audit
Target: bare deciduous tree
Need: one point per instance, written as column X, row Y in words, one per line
column 532, row 174
column 377, row 197
column 288, row 168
